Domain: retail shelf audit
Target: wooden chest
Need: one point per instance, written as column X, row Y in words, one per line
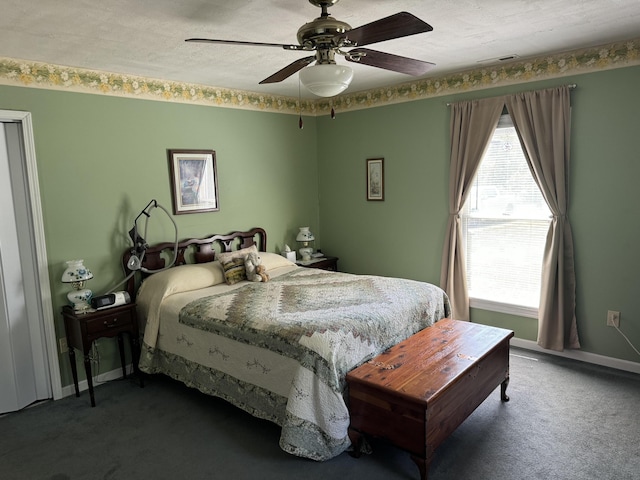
column 418, row 392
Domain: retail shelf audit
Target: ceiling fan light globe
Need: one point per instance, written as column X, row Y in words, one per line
column 326, row 80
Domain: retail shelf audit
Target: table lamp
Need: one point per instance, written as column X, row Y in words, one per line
column 305, row 236
column 77, row 274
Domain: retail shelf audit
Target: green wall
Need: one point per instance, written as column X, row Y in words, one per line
column 403, row 235
column 102, row 159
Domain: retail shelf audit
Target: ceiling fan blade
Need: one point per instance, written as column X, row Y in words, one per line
column 399, row 25
column 289, row 70
column 395, row 63
column 238, row 42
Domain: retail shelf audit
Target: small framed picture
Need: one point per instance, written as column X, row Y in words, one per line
column 375, row 179
column 194, row 181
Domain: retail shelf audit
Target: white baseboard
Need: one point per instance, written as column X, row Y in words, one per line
column 587, row 357
column 97, row 380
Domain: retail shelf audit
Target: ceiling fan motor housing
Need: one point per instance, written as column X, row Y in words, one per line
column 323, row 32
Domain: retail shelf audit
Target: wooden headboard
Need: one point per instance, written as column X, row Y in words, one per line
column 193, row 250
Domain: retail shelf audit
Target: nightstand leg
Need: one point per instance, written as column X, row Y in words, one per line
column 74, row 369
column 87, row 370
column 121, row 348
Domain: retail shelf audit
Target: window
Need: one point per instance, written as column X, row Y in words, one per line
column 505, row 221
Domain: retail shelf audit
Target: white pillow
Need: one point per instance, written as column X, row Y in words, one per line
column 182, row 279
column 273, row 260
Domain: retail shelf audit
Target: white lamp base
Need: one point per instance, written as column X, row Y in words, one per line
column 305, row 253
column 80, row 300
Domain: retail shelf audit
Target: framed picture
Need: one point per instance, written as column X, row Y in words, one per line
column 194, row 181
column 375, row 178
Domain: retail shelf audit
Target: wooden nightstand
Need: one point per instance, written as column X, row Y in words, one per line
column 324, row 263
column 83, row 328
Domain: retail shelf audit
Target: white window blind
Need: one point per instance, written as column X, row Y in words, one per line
column 505, row 221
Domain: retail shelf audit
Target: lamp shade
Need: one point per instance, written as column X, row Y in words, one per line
column 304, row 235
column 326, row 80
column 76, row 272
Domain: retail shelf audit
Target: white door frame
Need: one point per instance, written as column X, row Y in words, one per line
column 40, row 251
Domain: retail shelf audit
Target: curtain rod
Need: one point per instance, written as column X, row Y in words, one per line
column 571, row 86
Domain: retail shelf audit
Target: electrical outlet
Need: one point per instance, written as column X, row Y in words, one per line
column 64, row 348
column 613, row 319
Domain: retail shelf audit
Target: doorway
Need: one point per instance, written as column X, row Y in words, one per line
column 29, row 368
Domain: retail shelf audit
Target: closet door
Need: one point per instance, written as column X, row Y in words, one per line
column 24, row 376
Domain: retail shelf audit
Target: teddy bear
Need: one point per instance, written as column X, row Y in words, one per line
column 256, row 272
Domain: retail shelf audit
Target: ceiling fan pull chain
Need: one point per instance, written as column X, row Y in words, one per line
column 300, row 122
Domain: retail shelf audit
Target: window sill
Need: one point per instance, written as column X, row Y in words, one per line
column 518, row 310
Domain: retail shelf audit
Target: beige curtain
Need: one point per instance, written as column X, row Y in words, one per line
column 472, row 125
column 543, row 121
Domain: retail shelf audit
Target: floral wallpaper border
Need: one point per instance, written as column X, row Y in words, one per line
column 41, row 75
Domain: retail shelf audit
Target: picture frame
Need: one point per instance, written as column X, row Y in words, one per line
column 375, row 179
column 194, row 181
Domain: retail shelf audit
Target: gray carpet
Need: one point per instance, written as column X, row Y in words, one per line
column 565, row 420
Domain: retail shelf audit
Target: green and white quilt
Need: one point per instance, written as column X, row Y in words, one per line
column 280, row 350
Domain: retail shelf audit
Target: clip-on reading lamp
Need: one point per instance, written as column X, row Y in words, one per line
column 135, row 261
column 139, row 243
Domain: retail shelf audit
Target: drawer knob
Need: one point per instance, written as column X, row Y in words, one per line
column 110, row 324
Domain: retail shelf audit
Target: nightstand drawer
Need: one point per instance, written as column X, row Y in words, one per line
column 105, row 323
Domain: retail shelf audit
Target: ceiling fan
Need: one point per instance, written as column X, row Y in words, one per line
column 327, row 37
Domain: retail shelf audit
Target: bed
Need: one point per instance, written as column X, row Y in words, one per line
column 280, row 349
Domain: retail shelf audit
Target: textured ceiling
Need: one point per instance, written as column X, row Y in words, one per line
column 146, row 37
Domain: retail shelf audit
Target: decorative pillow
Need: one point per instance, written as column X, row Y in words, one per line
column 234, row 270
column 233, row 264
